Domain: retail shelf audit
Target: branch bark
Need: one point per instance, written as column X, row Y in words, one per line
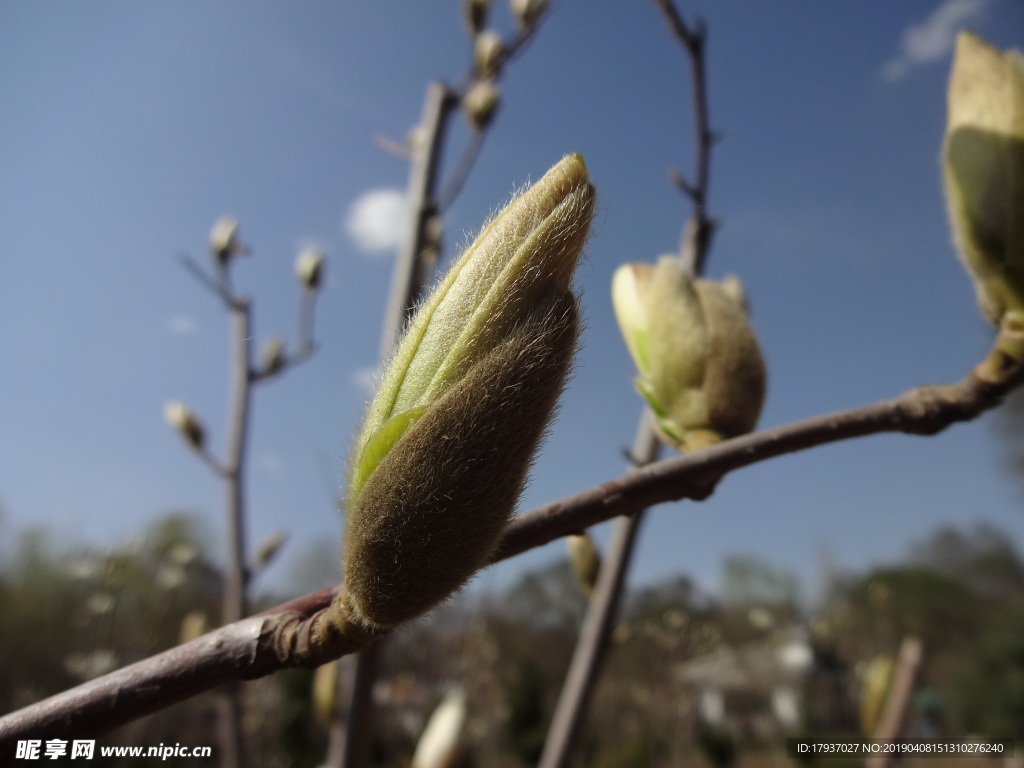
column 298, row 633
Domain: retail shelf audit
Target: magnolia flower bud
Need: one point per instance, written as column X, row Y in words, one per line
column 272, row 356
column 527, row 12
column 309, row 268
column 585, row 560
column 193, row 625
column 983, row 161
column 488, row 49
column 700, row 365
column 325, row 692
column 224, row 241
column 268, row 549
column 186, row 423
column 480, row 103
column 439, row 745
column 475, row 13
column 443, row 453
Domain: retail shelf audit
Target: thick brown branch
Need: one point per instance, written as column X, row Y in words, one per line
column 299, row 633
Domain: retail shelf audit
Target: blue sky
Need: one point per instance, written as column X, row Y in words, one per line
column 130, row 127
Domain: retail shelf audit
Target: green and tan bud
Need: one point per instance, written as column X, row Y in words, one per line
column 225, row 243
column 186, row 424
column 585, row 560
column 528, row 12
column 700, row 366
column 272, row 356
column 449, row 436
column 309, row 268
column 488, row 53
column 983, row 163
column 440, row 744
column 480, row 103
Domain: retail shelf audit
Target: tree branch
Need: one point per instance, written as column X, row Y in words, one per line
column 302, row 633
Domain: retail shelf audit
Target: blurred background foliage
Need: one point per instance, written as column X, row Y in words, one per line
column 693, row 678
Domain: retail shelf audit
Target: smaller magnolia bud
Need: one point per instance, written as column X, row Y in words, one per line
column 983, row 163
column 527, row 12
column 325, row 692
column 268, row 549
column 224, row 241
column 700, row 365
column 475, row 13
column 480, row 103
column 193, row 625
column 585, row 560
column 186, row 423
column 874, row 690
column 488, row 52
column 439, row 746
column 272, row 356
column 309, row 268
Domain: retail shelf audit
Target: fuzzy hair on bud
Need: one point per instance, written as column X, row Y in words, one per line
column 701, row 368
column 463, row 404
column 983, row 165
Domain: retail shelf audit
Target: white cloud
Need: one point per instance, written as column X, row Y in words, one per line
column 376, row 220
column 271, row 463
column 933, row 38
column 364, row 380
column 181, row 324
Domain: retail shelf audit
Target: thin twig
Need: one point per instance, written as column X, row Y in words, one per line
column 588, row 655
column 217, row 286
column 462, row 168
column 695, row 241
column 290, row 635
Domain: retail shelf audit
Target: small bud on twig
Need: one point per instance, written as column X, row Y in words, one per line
column 480, row 103
column 585, row 560
column 272, row 356
column 224, row 241
column 443, row 453
column 309, row 268
column 475, row 13
column 440, row 743
column 186, row 424
column 527, row 12
column 700, row 365
column 269, row 549
column 488, row 50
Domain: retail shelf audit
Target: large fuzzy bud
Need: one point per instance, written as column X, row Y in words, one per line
column 449, row 436
column 700, row 366
column 983, row 163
